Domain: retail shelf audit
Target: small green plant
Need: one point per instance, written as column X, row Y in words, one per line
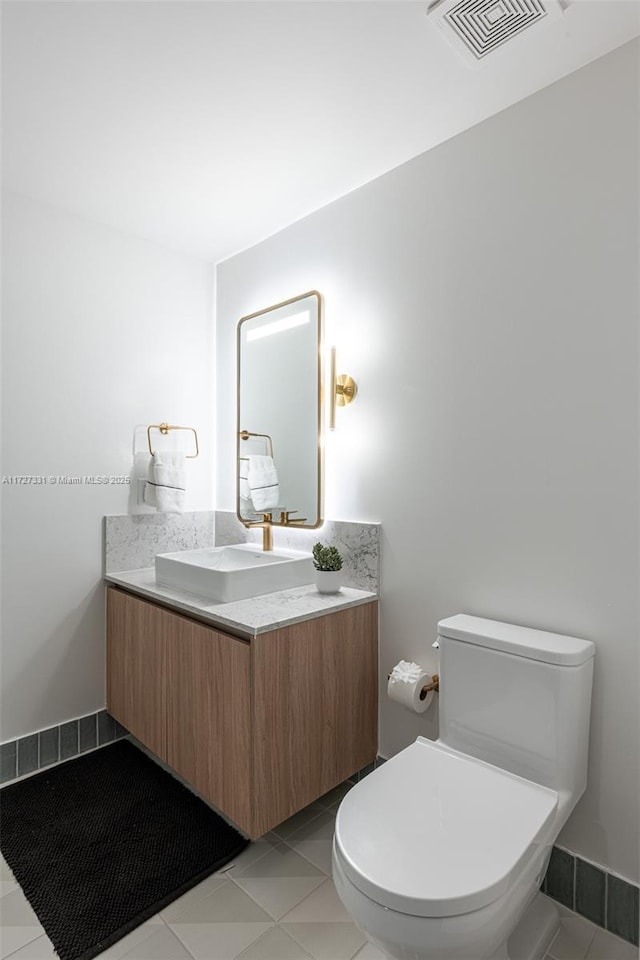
column 326, row 558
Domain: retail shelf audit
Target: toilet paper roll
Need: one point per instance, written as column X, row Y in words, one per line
column 407, row 692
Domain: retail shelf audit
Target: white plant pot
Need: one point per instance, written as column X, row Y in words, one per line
column 328, row 581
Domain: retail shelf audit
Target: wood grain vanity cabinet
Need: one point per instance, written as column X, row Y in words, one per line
column 259, row 727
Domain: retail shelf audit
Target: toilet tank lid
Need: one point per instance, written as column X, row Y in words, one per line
column 518, row 641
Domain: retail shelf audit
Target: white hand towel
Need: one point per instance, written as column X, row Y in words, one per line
column 263, row 483
column 166, row 486
column 243, row 477
column 150, row 486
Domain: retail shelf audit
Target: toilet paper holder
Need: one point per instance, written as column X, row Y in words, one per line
column 434, row 685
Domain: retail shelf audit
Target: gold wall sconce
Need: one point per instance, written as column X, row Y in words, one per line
column 344, row 390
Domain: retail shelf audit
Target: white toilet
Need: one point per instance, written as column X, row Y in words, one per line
column 439, row 853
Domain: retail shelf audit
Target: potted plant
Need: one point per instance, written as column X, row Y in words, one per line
column 328, row 564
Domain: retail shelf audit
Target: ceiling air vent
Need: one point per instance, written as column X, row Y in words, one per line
column 478, row 27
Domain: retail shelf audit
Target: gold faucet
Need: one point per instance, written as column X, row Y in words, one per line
column 285, row 518
column 267, row 529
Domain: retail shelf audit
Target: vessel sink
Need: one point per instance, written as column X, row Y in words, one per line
column 235, row 572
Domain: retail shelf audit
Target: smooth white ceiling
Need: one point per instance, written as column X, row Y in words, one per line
column 207, row 126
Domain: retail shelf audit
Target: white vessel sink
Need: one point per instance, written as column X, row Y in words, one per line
column 234, row 573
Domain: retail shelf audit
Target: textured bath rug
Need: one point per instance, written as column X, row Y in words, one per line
column 103, row 842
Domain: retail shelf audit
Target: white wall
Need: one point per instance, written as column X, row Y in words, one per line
column 484, row 296
column 101, row 331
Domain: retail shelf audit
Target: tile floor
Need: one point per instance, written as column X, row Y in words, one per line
column 276, row 901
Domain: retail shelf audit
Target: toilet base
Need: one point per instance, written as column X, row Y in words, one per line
column 534, row 934
column 482, row 934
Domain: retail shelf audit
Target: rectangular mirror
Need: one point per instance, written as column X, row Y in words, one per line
column 280, row 423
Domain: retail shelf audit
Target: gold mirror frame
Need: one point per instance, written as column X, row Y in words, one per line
column 241, row 430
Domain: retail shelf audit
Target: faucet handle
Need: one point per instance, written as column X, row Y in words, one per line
column 285, row 517
column 267, row 517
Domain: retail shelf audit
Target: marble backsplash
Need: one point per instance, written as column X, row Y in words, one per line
column 131, row 541
column 359, row 544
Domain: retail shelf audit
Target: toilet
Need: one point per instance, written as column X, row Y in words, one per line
column 439, row 853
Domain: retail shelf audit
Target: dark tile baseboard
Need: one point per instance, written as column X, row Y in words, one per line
column 56, row 744
column 600, row 896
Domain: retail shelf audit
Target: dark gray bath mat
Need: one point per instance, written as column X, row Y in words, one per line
column 103, row 842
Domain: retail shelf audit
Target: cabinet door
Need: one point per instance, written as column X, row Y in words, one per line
column 315, row 709
column 136, row 668
column 208, row 713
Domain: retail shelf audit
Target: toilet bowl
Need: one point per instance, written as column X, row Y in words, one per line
column 439, row 853
column 421, row 877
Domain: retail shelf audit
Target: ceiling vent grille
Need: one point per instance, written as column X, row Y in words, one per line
column 479, row 27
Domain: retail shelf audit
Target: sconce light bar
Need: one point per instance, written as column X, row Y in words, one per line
column 286, row 323
column 343, row 390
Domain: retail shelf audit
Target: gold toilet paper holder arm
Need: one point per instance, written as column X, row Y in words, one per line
column 434, row 685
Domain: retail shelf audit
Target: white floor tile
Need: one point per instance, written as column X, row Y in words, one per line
column 218, row 941
column 275, row 944
column 16, row 911
column 327, row 941
column 335, row 797
column 369, row 952
column 318, row 828
column 278, row 895
column 137, row 936
column 228, row 904
column 321, row 906
column 315, row 840
column 281, row 861
column 317, row 852
column 573, row 939
column 12, row 938
column 192, row 897
column 18, row 923
column 605, row 946
column 39, row 949
column 255, row 850
column 161, row 945
column 8, row 882
column 284, row 830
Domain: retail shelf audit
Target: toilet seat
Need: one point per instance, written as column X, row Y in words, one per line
column 436, row 833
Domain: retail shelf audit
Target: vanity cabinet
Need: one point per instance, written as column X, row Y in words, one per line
column 136, row 669
column 209, row 713
column 260, row 727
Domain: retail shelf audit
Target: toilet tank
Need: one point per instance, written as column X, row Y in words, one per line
column 519, row 699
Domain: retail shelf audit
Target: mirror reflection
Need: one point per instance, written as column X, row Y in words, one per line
column 279, row 426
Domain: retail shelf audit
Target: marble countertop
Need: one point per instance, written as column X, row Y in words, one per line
column 245, row 617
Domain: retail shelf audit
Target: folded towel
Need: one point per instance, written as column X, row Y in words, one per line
column 243, row 477
column 262, row 478
column 150, row 487
column 165, row 488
